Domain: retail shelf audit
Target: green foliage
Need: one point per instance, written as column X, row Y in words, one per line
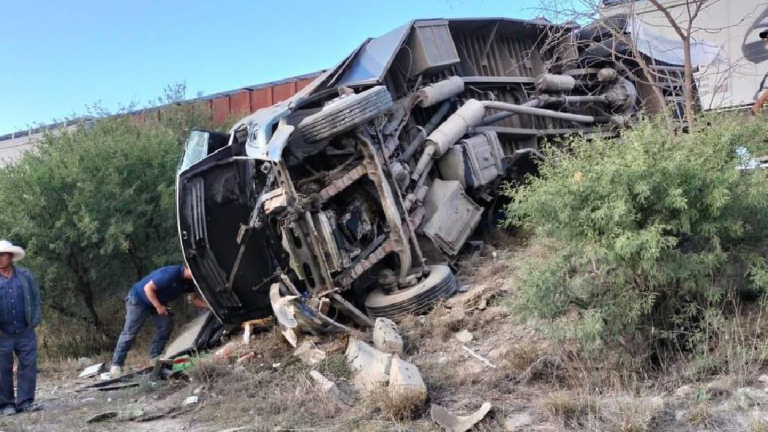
column 649, row 230
column 94, row 207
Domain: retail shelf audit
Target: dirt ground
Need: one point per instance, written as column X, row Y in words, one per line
column 531, row 385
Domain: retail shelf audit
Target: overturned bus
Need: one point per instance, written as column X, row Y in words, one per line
column 353, row 198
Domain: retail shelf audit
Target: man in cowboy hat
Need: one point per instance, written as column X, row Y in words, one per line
column 19, row 315
column 150, row 297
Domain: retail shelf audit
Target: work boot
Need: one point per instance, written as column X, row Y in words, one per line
column 28, row 407
column 8, row 410
column 115, row 371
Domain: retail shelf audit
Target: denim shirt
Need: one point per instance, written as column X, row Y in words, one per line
column 12, row 305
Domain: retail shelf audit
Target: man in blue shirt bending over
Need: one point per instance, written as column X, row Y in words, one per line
column 150, row 297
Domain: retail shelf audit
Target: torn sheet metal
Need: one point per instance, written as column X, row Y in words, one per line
column 296, row 316
column 91, row 371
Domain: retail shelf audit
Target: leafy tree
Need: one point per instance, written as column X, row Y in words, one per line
column 95, row 208
column 648, row 231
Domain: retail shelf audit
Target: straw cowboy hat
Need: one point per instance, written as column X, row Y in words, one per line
column 8, row 247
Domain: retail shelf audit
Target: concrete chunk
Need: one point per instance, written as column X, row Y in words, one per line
column 386, row 336
column 330, row 388
column 372, row 365
column 464, row 336
column 326, row 385
column 405, row 377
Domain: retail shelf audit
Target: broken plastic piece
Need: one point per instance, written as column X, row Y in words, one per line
column 454, row 423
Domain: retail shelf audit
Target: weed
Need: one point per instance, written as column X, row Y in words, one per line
column 336, row 366
column 398, row 406
column 569, row 409
column 146, row 385
column 701, row 416
column 206, row 371
column 630, row 415
column 758, row 425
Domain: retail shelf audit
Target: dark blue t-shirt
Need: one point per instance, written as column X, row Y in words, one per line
column 170, row 285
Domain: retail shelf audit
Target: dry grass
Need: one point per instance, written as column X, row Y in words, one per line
column 336, row 367
column 277, row 399
column 631, row 415
column 701, row 415
column 570, row 409
column 758, row 425
column 522, row 356
column 205, row 371
column 395, row 406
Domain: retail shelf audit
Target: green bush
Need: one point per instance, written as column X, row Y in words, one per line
column 648, row 231
column 94, row 207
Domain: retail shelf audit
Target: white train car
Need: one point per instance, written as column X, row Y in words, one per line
column 729, row 37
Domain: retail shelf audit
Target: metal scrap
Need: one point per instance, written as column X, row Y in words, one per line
column 91, row 371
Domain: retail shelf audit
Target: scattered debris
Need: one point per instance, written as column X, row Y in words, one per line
column 246, row 358
column 91, row 371
column 226, row 351
column 191, row 400
column 684, row 391
column 119, row 386
column 161, row 369
column 103, row 417
column 110, row 382
column 464, row 336
column 405, row 378
column 105, row 376
column 285, row 313
column 251, row 325
column 763, row 379
column 478, row 356
column 464, row 288
column 247, row 331
column 372, row 365
column 386, row 336
column 180, row 364
column 454, row 423
column 309, row 353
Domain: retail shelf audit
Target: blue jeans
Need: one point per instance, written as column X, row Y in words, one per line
column 24, row 345
column 136, row 312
